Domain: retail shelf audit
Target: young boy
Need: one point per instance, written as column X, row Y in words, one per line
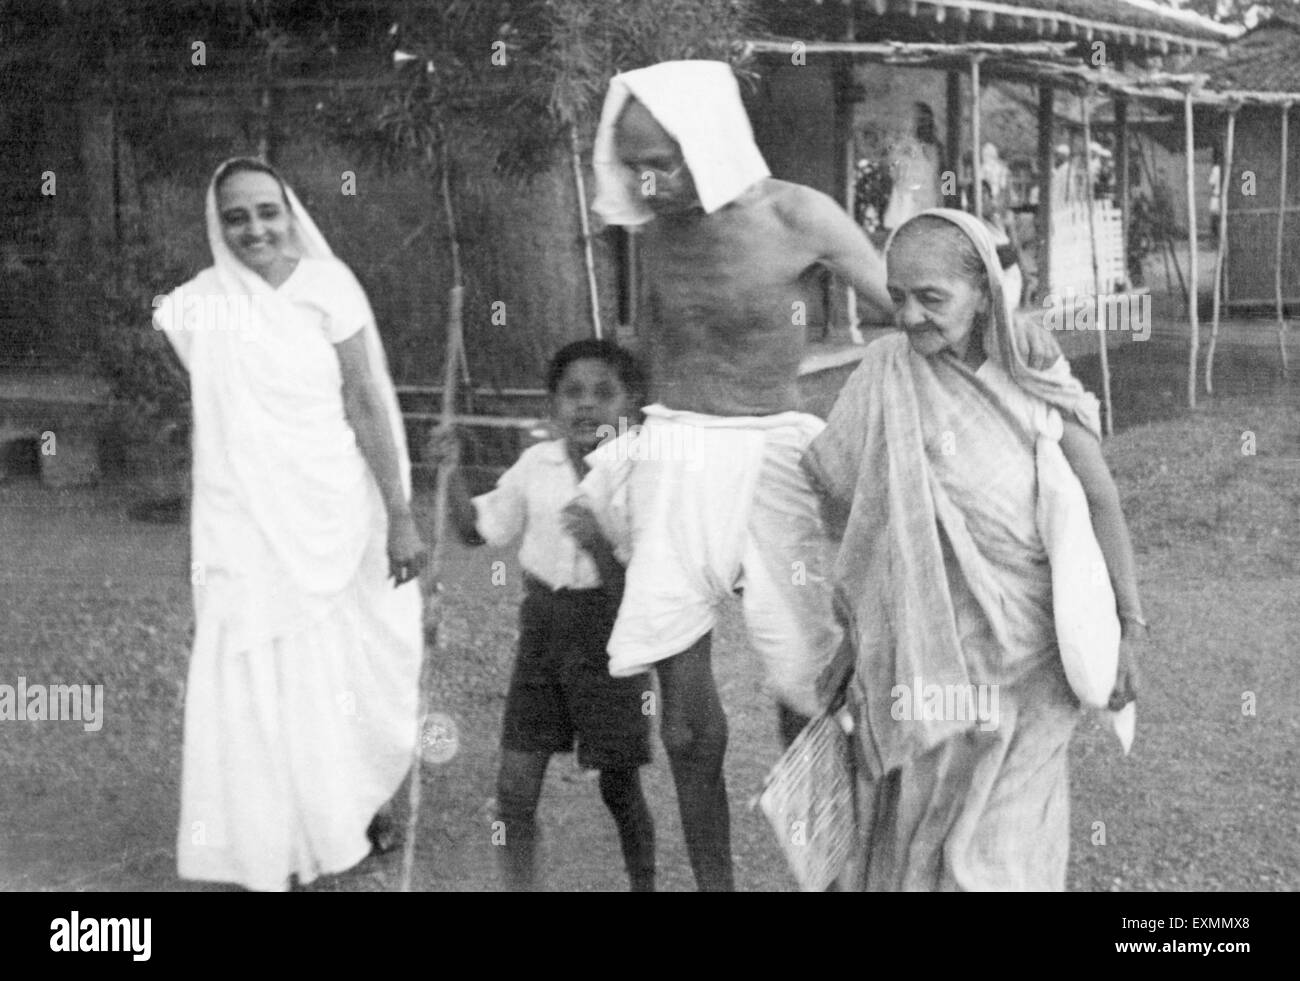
column 561, row 689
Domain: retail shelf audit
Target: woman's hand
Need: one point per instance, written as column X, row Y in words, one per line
column 1127, row 681
column 1041, row 349
column 406, row 552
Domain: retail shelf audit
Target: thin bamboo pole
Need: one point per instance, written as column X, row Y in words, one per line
column 1123, row 173
column 1169, row 273
column 1046, row 95
column 1220, row 258
column 850, row 171
column 575, row 151
column 977, row 170
column 1103, row 351
column 952, row 133
column 1194, row 325
column 1123, row 163
column 453, row 359
column 850, row 194
column 1281, row 221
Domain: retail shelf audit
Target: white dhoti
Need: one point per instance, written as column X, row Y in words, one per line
column 701, row 507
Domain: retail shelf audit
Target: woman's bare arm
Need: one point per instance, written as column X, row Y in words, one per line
column 1083, row 451
column 368, row 416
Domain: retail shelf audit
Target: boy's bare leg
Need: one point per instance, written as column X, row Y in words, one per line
column 519, row 788
column 694, row 733
column 621, row 792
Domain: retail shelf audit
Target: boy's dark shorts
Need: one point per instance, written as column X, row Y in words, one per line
column 561, row 689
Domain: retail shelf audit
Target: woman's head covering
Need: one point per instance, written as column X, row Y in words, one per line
column 310, row 242
column 698, row 104
column 1006, row 343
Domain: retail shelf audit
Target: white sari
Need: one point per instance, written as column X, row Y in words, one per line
column 302, row 694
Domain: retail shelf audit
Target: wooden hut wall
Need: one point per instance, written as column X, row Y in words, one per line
column 1252, row 219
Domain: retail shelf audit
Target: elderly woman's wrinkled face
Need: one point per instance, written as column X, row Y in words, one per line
column 935, row 300
column 255, row 220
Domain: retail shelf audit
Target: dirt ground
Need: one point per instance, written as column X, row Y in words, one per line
column 1209, row 799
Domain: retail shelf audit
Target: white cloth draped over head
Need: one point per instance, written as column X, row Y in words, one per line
column 280, row 518
column 942, row 570
column 698, row 104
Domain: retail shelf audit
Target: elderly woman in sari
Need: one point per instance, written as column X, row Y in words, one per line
column 302, row 695
column 928, row 467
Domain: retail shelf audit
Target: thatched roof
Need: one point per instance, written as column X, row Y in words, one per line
column 1137, row 25
column 1264, row 59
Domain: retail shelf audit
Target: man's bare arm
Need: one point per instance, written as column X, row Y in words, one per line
column 840, row 245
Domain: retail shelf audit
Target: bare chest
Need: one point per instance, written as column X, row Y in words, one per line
column 726, row 275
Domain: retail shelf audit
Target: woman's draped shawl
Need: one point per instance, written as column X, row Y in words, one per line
column 927, row 458
column 284, row 503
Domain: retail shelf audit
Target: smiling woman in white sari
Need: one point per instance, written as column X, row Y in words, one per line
column 930, row 466
column 302, row 693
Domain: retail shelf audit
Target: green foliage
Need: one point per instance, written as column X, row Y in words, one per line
column 503, row 82
column 459, row 73
column 149, row 383
column 587, row 43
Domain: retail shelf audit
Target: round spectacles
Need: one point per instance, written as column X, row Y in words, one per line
column 658, row 172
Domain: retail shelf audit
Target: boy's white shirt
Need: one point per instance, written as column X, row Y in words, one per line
column 528, row 501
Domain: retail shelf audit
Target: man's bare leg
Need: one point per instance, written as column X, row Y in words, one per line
column 791, row 722
column 694, row 733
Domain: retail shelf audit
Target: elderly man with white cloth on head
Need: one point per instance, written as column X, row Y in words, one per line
column 708, row 498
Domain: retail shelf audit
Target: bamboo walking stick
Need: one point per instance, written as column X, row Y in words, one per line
column 575, row 152
column 454, row 359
